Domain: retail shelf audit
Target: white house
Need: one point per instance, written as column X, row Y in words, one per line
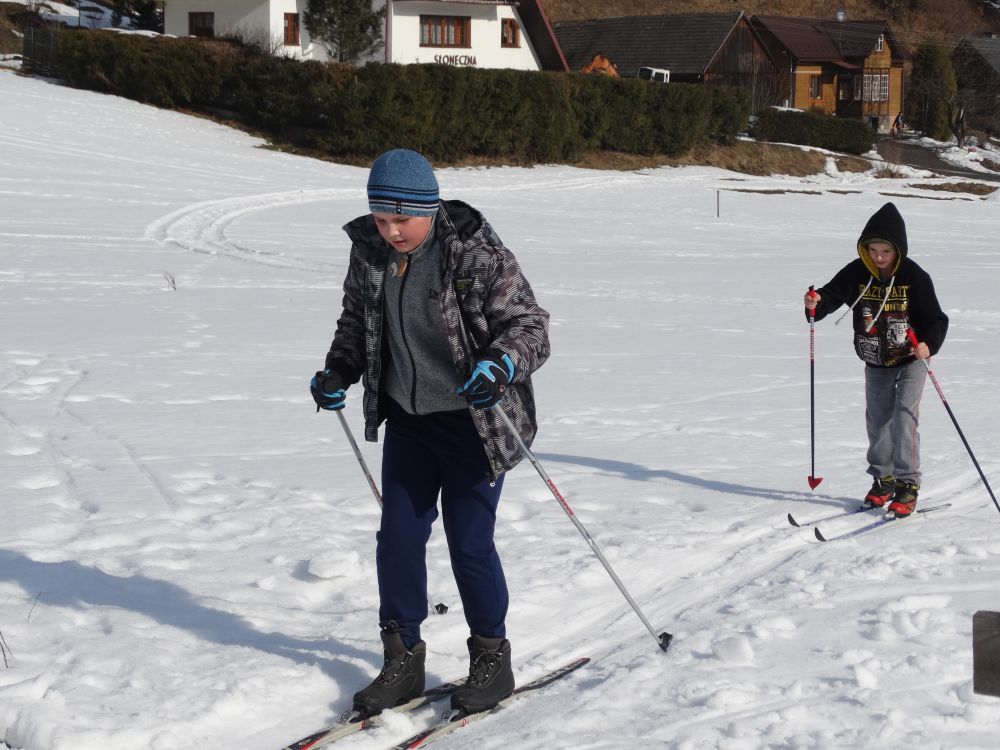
column 476, row 33
column 279, row 20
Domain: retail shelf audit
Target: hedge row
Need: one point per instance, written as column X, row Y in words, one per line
column 443, row 111
column 850, row 135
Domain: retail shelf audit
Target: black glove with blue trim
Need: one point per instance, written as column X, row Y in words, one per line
column 488, row 382
column 329, row 390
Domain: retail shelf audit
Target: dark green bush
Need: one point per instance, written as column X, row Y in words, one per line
column 165, row 72
column 812, row 129
column 730, row 112
column 443, row 111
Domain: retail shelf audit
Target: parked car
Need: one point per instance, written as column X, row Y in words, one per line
column 657, row 75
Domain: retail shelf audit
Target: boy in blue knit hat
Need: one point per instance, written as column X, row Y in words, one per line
column 890, row 295
column 443, row 329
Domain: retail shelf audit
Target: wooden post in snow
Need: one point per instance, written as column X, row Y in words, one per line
column 986, row 653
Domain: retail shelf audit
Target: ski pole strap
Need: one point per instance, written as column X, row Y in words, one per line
column 881, row 307
column 853, row 304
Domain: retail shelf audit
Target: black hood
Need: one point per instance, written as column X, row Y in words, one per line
column 885, row 224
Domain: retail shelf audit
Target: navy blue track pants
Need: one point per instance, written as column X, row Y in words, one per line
column 424, row 456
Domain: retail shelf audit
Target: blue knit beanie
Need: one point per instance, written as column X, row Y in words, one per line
column 402, row 182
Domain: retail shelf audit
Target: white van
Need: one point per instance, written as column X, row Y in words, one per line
column 657, row 75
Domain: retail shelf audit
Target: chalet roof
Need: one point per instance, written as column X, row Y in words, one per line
column 683, row 44
column 543, row 37
column 828, row 40
column 988, row 49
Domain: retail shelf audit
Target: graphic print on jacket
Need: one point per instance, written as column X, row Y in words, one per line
column 883, row 341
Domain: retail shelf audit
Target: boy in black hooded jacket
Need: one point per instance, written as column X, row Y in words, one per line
column 889, row 294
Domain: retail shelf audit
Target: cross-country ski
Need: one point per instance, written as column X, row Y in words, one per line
column 449, row 724
column 803, row 524
column 874, row 525
column 350, row 726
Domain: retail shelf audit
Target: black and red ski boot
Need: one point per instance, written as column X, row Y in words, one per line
column 904, row 501
column 881, row 492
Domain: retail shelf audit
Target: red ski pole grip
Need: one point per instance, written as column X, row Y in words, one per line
column 812, row 293
column 912, row 337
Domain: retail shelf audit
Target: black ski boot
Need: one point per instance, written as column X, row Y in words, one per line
column 401, row 678
column 491, row 678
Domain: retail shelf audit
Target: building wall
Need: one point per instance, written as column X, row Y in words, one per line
column 743, row 61
column 828, row 102
column 245, row 15
column 877, row 63
column 403, row 37
column 883, row 60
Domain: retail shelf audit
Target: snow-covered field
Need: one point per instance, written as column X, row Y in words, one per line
column 187, row 555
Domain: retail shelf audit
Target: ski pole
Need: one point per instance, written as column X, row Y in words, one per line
column 440, row 608
column 663, row 639
column 361, row 459
column 812, row 479
column 913, row 340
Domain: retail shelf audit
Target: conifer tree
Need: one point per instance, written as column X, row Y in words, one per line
column 933, row 93
column 348, row 29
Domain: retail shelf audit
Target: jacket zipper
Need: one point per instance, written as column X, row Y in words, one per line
column 402, row 334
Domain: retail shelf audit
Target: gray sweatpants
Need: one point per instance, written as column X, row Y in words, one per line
column 892, row 413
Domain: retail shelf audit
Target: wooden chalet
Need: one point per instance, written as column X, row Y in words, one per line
column 843, row 68
column 720, row 49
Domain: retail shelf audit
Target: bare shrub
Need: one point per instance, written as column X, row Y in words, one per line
column 890, row 171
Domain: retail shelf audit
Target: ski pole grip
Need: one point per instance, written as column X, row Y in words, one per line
column 812, row 293
column 912, row 337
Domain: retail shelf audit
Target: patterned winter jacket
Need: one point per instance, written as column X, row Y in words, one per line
column 489, row 310
column 884, row 310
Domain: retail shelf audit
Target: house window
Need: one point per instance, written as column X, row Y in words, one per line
column 201, row 24
column 510, row 33
column 857, row 88
column 867, row 96
column 884, row 88
column 880, row 44
column 445, row 31
column 815, row 87
column 291, row 29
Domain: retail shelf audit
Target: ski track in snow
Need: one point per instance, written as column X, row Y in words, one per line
column 201, row 227
column 190, row 545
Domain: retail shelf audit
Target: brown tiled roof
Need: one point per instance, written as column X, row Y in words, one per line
column 684, row 44
column 988, row 49
column 828, row 40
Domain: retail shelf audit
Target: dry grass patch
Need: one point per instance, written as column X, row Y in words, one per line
column 746, row 157
column 10, row 43
column 975, row 188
